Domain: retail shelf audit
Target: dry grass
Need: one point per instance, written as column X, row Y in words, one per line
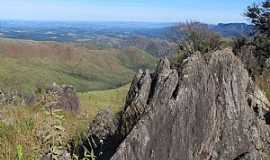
column 21, row 125
column 263, row 82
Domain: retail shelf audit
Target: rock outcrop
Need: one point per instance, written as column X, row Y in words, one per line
column 13, row 97
column 102, row 137
column 103, row 125
column 205, row 109
column 68, row 99
column 61, row 97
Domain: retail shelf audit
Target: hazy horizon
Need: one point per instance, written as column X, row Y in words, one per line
column 119, row 21
column 151, row 11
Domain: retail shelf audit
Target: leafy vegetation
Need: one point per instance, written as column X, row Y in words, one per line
column 197, row 38
column 19, row 153
column 259, row 15
column 31, row 132
column 52, row 134
column 254, row 51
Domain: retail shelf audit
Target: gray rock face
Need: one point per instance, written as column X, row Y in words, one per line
column 136, row 101
column 101, row 138
column 207, row 109
column 64, row 97
column 267, row 63
column 103, row 125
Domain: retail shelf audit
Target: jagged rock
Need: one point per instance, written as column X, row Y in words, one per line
column 68, row 99
column 206, row 109
column 102, row 137
column 11, row 97
column 63, row 97
column 136, row 101
column 103, row 125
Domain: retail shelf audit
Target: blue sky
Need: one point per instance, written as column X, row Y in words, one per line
column 210, row 11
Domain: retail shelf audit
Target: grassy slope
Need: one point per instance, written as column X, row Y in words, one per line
column 27, row 63
column 21, row 124
column 24, row 64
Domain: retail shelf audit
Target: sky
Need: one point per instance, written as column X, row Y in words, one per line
column 208, row 11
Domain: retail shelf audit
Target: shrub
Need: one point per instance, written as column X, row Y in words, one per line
column 197, row 37
column 259, row 15
column 243, row 48
column 52, row 135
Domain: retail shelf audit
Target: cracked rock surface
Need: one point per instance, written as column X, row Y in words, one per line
column 205, row 109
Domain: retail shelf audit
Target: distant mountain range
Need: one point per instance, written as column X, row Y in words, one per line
column 233, row 29
column 85, row 31
column 97, row 55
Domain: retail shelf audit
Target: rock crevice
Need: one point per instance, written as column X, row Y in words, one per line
column 207, row 109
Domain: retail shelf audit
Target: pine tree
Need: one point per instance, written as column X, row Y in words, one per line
column 259, row 14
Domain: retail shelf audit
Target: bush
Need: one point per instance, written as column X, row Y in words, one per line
column 197, row 38
column 243, row 48
column 259, row 15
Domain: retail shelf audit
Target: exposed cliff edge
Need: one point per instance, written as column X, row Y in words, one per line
column 207, row 108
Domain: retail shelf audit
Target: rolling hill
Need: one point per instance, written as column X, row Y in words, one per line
column 25, row 64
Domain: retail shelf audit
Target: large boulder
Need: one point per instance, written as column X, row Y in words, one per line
column 208, row 108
